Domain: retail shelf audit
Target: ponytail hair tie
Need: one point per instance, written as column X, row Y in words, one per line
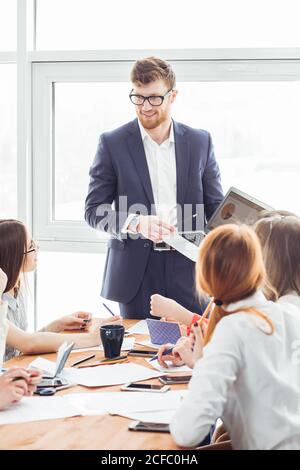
column 218, row 302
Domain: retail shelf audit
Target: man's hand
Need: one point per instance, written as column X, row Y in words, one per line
column 3, row 282
column 153, row 228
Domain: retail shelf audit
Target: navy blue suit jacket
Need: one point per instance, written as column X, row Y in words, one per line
column 120, row 169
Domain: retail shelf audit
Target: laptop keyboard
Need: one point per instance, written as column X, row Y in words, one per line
column 193, row 237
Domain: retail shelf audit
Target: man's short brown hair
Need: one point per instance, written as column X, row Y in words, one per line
column 150, row 69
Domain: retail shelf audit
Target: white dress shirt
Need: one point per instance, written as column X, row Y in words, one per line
column 161, row 161
column 248, row 379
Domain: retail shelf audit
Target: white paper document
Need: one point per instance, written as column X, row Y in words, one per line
column 139, row 328
column 38, row 409
column 169, row 369
column 100, row 376
column 182, row 245
column 164, row 417
column 122, row 403
column 127, row 345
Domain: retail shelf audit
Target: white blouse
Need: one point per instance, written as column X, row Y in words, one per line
column 3, row 330
column 247, row 378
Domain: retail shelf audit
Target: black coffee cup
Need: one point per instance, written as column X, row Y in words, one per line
column 112, row 338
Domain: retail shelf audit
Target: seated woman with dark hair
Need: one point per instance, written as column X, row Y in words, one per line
column 18, row 256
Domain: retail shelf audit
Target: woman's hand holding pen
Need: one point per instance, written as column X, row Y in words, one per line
column 76, row 321
column 181, row 354
column 186, row 351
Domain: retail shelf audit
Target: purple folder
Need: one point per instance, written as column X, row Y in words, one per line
column 162, row 332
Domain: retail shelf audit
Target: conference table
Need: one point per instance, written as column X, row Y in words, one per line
column 103, row 432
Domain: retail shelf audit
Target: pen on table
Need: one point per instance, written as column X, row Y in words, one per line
column 103, row 362
column 83, row 360
column 167, row 351
column 107, row 308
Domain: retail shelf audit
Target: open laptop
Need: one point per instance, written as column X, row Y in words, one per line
column 55, row 380
column 236, row 207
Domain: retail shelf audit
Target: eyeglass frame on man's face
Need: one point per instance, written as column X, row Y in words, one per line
column 35, row 247
column 148, row 98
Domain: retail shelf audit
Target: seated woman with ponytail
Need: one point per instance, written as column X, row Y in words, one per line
column 245, row 370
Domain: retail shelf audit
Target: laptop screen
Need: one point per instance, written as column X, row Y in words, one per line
column 237, row 207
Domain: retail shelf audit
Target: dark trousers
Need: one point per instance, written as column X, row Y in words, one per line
column 170, row 274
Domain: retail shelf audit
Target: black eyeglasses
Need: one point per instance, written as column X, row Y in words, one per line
column 35, row 247
column 154, row 100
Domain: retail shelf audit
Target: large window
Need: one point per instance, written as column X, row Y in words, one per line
column 82, row 111
column 69, row 282
column 71, row 77
column 249, row 107
column 254, row 126
column 8, row 141
column 119, row 24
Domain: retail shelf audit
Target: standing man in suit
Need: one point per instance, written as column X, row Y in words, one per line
column 149, row 176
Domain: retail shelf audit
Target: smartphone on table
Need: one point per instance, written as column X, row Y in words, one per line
column 173, row 380
column 137, row 387
column 53, row 382
column 150, row 427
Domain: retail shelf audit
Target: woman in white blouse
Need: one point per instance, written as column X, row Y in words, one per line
column 18, row 256
column 246, row 366
column 16, row 382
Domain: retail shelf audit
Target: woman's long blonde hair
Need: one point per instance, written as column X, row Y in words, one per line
column 230, row 268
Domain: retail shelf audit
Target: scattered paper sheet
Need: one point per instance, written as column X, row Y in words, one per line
column 38, row 409
column 148, row 343
column 169, row 369
column 127, row 345
column 139, row 328
column 106, row 375
column 182, row 245
column 164, row 417
column 124, row 402
column 148, row 402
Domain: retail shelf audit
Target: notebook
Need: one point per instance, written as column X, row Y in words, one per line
column 162, row 332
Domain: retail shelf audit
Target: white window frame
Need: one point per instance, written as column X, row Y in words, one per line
column 229, row 66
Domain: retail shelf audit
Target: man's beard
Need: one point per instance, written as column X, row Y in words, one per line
column 157, row 121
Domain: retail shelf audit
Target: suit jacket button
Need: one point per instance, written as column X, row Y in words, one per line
column 146, row 245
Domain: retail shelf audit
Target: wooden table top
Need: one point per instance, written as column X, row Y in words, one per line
column 86, row 432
